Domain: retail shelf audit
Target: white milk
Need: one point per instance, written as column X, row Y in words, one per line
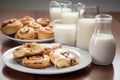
column 102, row 49
column 55, row 13
column 85, row 30
column 65, row 33
column 69, row 17
column 81, row 13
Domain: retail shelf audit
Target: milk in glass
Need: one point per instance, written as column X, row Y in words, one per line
column 55, row 13
column 65, row 33
column 85, row 29
column 102, row 47
column 69, row 17
column 86, row 25
column 102, row 44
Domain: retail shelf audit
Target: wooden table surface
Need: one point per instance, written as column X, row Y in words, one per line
column 92, row 72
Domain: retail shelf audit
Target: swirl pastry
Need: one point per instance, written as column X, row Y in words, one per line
column 45, row 33
column 43, row 21
column 50, row 25
column 63, row 58
column 27, row 33
column 37, row 61
column 49, row 47
column 34, row 25
column 11, row 26
column 26, row 20
column 28, row 49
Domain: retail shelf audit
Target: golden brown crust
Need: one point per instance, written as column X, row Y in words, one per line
column 63, row 58
column 27, row 33
column 33, row 55
column 11, row 26
column 26, row 20
column 43, row 21
column 22, row 28
column 45, row 33
column 50, row 47
column 28, row 49
column 37, row 61
column 34, row 25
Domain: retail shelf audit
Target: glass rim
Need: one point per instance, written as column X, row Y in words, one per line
column 103, row 17
column 91, row 6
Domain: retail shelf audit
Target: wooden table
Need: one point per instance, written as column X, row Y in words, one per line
column 92, row 72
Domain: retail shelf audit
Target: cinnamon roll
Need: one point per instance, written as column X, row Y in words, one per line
column 11, row 26
column 43, row 21
column 36, row 61
column 34, row 25
column 26, row 20
column 49, row 47
column 45, row 33
column 28, row 49
column 63, row 58
column 27, row 33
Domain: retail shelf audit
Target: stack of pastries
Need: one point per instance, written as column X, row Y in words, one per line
column 34, row 55
column 28, row 28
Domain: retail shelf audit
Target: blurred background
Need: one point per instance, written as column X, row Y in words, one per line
column 105, row 5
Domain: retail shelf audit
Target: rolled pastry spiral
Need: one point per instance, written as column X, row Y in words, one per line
column 63, row 58
column 11, row 26
column 43, row 21
column 34, row 25
column 45, row 33
column 27, row 33
column 28, row 49
column 37, row 61
column 26, row 20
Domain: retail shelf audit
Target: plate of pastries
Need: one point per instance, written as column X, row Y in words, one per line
column 47, row 58
column 28, row 29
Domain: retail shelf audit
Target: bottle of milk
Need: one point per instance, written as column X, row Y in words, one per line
column 102, row 44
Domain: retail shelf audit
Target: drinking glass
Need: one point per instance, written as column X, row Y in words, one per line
column 69, row 14
column 64, row 33
column 55, row 8
column 86, row 25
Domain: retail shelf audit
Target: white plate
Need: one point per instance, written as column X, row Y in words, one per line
column 83, row 57
column 24, row 41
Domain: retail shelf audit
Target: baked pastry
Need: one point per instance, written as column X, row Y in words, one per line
column 36, row 27
column 37, row 61
column 63, row 58
column 51, row 46
column 26, row 20
column 50, row 25
column 43, row 21
column 11, row 26
column 27, row 33
column 45, row 33
column 28, row 49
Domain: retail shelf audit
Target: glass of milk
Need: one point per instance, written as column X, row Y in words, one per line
column 55, row 8
column 70, row 16
column 64, row 33
column 86, row 25
column 102, row 44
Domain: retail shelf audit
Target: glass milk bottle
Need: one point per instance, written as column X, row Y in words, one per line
column 102, row 44
column 86, row 25
column 55, row 8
